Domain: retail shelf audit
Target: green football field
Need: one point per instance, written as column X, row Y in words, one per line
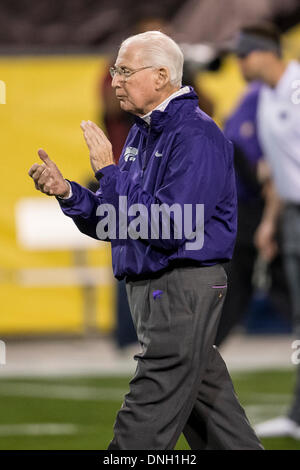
column 78, row 413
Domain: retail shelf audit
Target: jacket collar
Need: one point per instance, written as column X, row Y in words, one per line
column 160, row 118
column 162, row 106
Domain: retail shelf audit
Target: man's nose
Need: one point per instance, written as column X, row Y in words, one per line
column 116, row 81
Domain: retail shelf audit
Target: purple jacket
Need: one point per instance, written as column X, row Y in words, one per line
column 241, row 129
column 182, row 158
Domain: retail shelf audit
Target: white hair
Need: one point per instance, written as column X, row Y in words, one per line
column 159, row 50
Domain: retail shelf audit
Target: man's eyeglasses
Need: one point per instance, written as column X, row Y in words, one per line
column 124, row 72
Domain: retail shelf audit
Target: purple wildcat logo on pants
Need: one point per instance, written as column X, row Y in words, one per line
column 157, row 294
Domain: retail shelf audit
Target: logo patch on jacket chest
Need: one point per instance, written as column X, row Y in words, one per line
column 130, row 154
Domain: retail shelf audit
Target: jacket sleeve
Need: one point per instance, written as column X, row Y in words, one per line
column 196, row 174
column 82, row 207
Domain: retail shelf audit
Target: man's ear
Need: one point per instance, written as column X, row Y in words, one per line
column 163, row 77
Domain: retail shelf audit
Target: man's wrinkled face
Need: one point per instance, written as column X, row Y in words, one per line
column 138, row 92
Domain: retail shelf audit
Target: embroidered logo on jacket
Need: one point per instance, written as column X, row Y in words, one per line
column 130, row 154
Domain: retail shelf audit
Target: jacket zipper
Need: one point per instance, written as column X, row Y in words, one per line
column 144, row 163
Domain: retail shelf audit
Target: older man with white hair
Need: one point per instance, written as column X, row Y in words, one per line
column 176, row 169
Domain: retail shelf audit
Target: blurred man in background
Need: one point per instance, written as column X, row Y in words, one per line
column 278, row 116
column 251, row 277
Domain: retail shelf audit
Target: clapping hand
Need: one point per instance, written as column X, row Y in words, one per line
column 99, row 146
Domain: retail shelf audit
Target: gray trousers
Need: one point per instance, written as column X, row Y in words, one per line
column 181, row 383
column 290, row 225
